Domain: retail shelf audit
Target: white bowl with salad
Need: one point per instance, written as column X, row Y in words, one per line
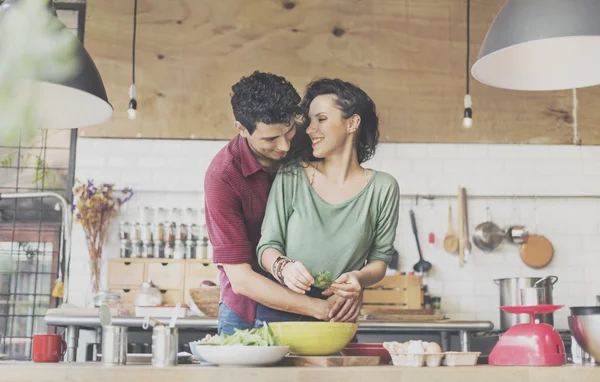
column 252, row 347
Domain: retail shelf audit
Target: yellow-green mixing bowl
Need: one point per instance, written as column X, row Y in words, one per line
column 314, row 338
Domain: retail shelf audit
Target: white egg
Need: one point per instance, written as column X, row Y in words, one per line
column 415, row 347
column 433, row 348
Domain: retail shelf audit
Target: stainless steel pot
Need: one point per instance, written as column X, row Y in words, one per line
column 510, row 294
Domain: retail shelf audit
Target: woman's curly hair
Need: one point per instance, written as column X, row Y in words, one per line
column 350, row 100
column 264, row 97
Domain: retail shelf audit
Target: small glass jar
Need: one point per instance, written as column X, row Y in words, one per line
column 179, row 250
column 159, row 249
column 136, row 249
column 147, row 249
column 135, row 233
column 146, row 232
column 190, row 249
column 124, row 230
column 159, row 232
column 181, row 232
column 149, row 295
column 125, row 248
column 110, row 298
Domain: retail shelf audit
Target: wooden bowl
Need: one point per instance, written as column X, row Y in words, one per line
column 207, row 299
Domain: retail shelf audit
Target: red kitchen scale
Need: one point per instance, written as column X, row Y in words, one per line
column 532, row 344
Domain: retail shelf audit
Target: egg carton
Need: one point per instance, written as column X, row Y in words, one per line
column 417, row 360
column 453, row 358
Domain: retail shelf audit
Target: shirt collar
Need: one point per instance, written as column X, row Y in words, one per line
column 250, row 165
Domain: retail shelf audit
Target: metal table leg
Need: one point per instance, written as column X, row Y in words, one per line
column 72, row 342
column 98, row 342
column 445, row 341
column 465, row 344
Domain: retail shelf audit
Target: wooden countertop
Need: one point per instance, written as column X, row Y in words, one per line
column 90, row 372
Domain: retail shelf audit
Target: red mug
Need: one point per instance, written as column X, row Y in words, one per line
column 48, row 348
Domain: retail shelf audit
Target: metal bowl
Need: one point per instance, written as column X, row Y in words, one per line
column 586, row 330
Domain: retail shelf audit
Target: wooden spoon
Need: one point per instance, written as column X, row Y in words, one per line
column 450, row 241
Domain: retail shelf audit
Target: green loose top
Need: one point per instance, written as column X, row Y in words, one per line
column 338, row 237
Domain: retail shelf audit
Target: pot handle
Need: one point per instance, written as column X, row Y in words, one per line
column 553, row 279
column 496, row 281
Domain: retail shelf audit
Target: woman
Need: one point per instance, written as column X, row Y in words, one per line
column 325, row 211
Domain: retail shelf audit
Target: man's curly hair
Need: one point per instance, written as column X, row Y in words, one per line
column 264, row 97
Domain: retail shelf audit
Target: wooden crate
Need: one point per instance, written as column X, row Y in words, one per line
column 396, row 293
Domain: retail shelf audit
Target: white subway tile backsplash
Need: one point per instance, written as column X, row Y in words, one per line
column 459, row 166
column 592, row 273
column 91, row 161
column 151, row 161
column 416, row 150
column 428, row 166
column 170, row 173
column 487, row 289
column 505, row 152
column 386, row 151
column 491, row 166
column 472, row 152
column 442, row 151
column 128, row 162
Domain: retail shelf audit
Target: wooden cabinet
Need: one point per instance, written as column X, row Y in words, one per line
column 123, row 273
column 166, row 274
column 172, row 277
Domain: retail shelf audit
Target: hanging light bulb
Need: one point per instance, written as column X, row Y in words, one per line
column 132, row 110
column 468, row 119
column 468, row 114
column 132, row 103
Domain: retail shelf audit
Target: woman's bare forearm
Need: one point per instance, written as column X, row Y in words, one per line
column 371, row 273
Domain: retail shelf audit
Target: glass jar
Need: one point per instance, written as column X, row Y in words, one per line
column 149, row 295
column 110, row 298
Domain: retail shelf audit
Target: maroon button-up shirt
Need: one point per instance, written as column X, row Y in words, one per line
column 236, row 188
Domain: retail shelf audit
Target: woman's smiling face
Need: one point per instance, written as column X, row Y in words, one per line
column 328, row 129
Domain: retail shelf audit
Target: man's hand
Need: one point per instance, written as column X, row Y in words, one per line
column 346, row 310
column 346, row 286
column 297, row 277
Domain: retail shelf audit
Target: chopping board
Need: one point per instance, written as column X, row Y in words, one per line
column 329, row 361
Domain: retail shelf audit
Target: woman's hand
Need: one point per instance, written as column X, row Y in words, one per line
column 346, row 286
column 346, row 310
column 297, row 277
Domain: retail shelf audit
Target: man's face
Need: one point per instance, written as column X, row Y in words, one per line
column 270, row 143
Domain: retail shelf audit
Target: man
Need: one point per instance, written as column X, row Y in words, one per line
column 236, row 188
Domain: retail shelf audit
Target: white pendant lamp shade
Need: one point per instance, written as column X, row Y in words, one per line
column 542, row 45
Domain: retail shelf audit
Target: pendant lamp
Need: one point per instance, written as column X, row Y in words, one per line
column 76, row 102
column 542, row 45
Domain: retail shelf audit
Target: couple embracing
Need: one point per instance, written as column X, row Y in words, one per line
column 288, row 204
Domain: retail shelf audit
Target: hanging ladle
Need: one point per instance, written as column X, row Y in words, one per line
column 421, row 266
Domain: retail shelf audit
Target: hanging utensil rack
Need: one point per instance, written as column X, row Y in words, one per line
column 431, row 197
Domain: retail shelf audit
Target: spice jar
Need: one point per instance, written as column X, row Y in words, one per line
column 159, row 232
column 147, row 249
column 180, row 232
column 190, row 249
column 135, row 232
column 136, row 248
column 125, row 248
column 179, row 250
column 124, row 228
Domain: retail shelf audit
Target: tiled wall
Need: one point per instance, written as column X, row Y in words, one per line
column 170, row 173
